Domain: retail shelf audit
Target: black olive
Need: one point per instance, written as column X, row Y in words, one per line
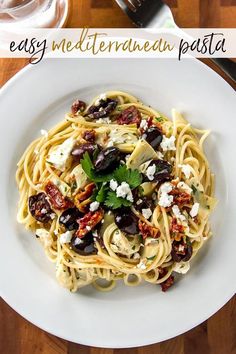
column 83, row 246
column 107, row 158
column 68, row 218
column 102, row 110
column 127, row 222
column 153, row 136
column 40, row 208
column 181, row 251
column 163, row 170
column 79, row 150
column 143, row 203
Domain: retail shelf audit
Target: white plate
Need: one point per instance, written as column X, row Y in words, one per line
column 38, row 97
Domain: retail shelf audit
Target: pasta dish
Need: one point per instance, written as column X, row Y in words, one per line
column 117, row 191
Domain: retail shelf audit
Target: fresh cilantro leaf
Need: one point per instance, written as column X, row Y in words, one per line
column 159, row 119
column 132, row 177
column 102, row 193
column 88, row 168
column 87, row 165
column 114, row 202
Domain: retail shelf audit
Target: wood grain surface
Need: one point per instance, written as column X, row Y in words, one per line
column 218, row 334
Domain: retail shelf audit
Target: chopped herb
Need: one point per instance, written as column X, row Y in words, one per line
column 88, row 168
column 133, row 247
column 159, row 119
column 151, row 258
column 208, row 206
column 73, row 186
column 102, row 193
column 114, row 202
column 132, row 177
column 194, row 189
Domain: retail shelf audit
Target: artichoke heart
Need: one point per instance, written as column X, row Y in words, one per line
column 142, row 153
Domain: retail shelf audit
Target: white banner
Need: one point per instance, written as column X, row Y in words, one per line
column 37, row 44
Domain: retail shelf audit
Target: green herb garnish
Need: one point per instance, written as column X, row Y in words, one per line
column 103, row 193
column 114, row 202
column 151, row 258
column 194, row 189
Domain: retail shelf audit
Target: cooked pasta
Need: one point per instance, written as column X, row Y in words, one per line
column 117, row 191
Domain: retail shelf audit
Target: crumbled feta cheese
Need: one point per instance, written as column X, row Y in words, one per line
column 186, row 168
column 168, row 143
column 105, row 120
column 139, row 201
column 52, row 216
column 94, row 206
column 36, row 151
column 165, row 200
column 147, row 213
column 177, row 213
column 55, row 232
column 142, row 264
column 166, row 187
column 60, row 155
column 88, row 228
column 44, row 236
column 181, row 248
column 124, row 191
column 66, row 237
column 182, row 267
column 103, row 96
column 143, row 124
column 185, row 187
column 150, row 172
column 159, row 155
column 44, row 133
column 136, row 255
column 194, row 210
column 44, row 211
column 127, row 157
column 113, row 184
column 95, row 233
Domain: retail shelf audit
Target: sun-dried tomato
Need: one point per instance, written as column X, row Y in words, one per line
column 56, row 198
column 85, row 193
column 176, row 230
column 130, row 115
column 180, row 197
column 148, row 231
column 167, row 283
column 181, row 251
column 78, row 106
column 88, row 222
column 89, row 135
column 39, row 207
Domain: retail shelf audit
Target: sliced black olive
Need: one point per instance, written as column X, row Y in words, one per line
column 68, row 218
column 162, row 172
column 143, row 203
column 181, row 251
column 127, row 222
column 153, row 136
column 102, row 110
column 79, row 150
column 40, row 208
column 83, row 246
column 107, row 158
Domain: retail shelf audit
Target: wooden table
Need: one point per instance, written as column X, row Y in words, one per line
column 215, row 336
